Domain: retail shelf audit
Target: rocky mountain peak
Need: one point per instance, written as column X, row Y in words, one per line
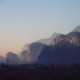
column 31, row 54
column 73, row 37
column 12, row 58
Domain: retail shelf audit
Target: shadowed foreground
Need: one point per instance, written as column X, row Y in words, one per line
column 40, row 72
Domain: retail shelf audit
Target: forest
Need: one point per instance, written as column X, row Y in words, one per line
column 40, row 72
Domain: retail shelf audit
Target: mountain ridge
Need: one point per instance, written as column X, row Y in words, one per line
column 46, row 41
column 64, row 48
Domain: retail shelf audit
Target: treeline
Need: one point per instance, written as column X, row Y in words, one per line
column 40, row 72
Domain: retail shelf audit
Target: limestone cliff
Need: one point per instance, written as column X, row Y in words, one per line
column 32, row 53
column 73, row 37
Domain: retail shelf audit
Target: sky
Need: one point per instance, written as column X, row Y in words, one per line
column 25, row 21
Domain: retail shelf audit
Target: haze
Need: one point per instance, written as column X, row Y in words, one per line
column 26, row 21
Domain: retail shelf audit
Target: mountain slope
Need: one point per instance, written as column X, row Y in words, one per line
column 73, row 37
column 31, row 54
column 25, row 47
column 64, row 49
column 46, row 41
column 59, row 55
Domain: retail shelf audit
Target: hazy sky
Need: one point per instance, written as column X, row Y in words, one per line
column 25, row 21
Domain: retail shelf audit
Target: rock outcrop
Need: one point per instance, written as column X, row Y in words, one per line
column 25, row 47
column 31, row 55
column 12, row 58
column 73, row 37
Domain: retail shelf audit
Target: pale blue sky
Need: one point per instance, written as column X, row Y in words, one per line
column 25, row 21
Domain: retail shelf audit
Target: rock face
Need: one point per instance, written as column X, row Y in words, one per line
column 12, row 58
column 73, row 37
column 31, row 55
column 57, row 39
column 25, row 47
column 23, row 55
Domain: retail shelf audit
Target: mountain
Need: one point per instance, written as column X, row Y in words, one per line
column 48, row 41
column 2, row 59
column 58, row 49
column 73, row 37
column 77, row 29
column 25, row 47
column 12, row 58
column 31, row 54
column 59, row 55
column 23, row 57
column 63, row 49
